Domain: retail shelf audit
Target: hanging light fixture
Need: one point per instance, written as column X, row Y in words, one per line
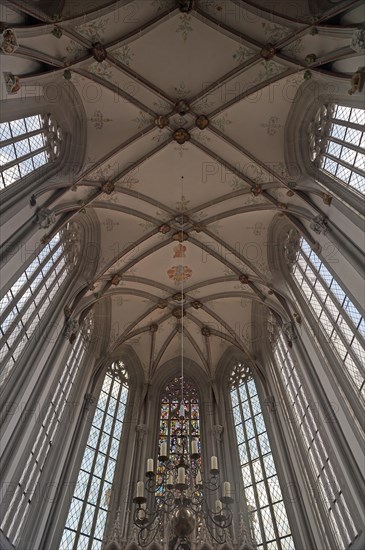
column 176, row 490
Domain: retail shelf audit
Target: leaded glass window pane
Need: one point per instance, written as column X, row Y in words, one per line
column 87, row 515
column 22, row 499
column 23, row 306
column 337, row 144
column 327, row 490
column 25, row 145
column 338, row 317
column 268, row 518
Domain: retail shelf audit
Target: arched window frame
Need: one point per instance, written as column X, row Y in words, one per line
column 50, row 96
column 306, row 423
column 112, row 453
column 34, row 141
column 332, row 135
column 238, row 417
column 310, row 97
column 53, row 416
column 327, row 299
column 26, row 299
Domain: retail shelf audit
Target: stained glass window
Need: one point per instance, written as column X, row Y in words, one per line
column 24, row 304
column 268, row 518
column 337, row 142
column 19, row 506
column 170, row 421
column 338, row 317
column 87, row 515
column 27, row 144
column 326, row 487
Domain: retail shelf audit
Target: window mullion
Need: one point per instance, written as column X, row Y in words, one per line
column 20, row 137
column 92, row 469
column 28, row 156
column 250, row 465
column 347, row 124
column 31, row 299
column 107, row 456
column 344, row 144
column 30, row 281
column 350, row 167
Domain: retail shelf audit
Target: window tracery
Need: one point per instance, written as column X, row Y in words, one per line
column 267, row 513
column 337, row 143
column 25, row 303
column 87, row 514
column 26, row 144
column 320, row 460
column 338, row 317
column 22, row 498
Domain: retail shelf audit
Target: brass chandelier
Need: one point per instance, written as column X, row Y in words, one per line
column 177, row 491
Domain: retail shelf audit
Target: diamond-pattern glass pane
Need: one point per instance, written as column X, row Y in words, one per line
column 344, row 155
column 324, row 477
column 97, row 466
column 261, row 483
column 339, row 318
column 24, row 149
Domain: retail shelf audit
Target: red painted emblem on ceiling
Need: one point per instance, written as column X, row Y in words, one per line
column 179, row 273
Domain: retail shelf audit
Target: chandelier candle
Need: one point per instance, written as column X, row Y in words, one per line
column 150, row 466
column 140, row 489
column 214, row 464
column 226, row 489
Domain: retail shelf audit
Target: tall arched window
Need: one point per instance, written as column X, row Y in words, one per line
column 27, row 144
column 170, row 421
column 268, row 517
column 320, row 459
column 24, row 304
column 87, row 515
column 19, row 506
column 337, row 144
column 338, row 317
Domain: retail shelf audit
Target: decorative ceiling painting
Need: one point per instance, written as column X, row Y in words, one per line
column 185, row 166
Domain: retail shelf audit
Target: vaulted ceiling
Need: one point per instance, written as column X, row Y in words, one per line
column 185, row 154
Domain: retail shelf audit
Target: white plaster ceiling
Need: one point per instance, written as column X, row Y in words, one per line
column 212, row 58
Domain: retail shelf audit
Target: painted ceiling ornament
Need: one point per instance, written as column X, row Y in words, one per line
column 12, row 83
column 162, row 304
column 179, row 273
column 199, row 227
column 201, row 122
column 185, row 6
column 57, row 32
column 257, row 190
column 8, row 41
column 181, row 136
column 180, row 236
column 153, row 327
column 164, row 228
column 196, row 304
column 116, row 279
column 268, row 52
column 282, row 206
column 206, row 331
column 178, row 312
column 179, row 251
column 357, row 81
column 98, row 51
column 290, row 193
column 358, row 40
column 182, row 219
column 108, row 187
column 243, row 278
column 310, row 58
column 182, row 107
column 67, row 75
column 179, row 297
column 162, row 121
